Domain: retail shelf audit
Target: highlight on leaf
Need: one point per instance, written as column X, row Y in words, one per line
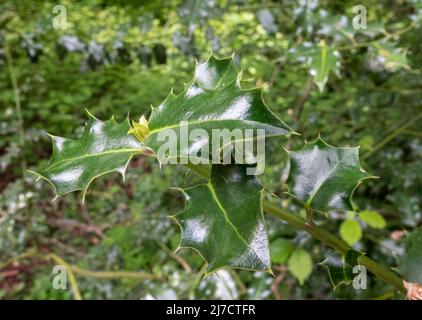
column 214, row 99
column 103, row 147
column 324, row 177
column 223, row 220
column 321, row 60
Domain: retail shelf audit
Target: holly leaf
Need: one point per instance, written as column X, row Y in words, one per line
column 223, row 220
column 320, row 59
column 390, row 56
column 411, row 262
column 324, row 177
column 104, row 147
column 340, row 267
column 213, row 100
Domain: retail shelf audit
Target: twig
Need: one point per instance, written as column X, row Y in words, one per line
column 176, row 257
column 72, row 279
column 18, row 108
column 279, row 64
column 391, row 136
column 197, row 280
column 336, row 243
column 72, row 270
column 114, row 274
column 243, row 289
column 276, row 283
column 303, row 99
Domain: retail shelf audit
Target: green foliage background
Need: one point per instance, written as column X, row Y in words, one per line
column 134, row 53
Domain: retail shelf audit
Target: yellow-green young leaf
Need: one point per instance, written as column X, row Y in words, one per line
column 213, row 100
column 372, row 219
column 280, row 250
column 324, row 177
column 224, row 222
column 300, row 265
column 104, row 147
column 350, row 231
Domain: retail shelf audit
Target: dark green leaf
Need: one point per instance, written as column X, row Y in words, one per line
column 340, row 268
column 104, row 147
column 214, row 100
column 223, row 220
column 321, row 60
column 160, row 53
column 324, row 177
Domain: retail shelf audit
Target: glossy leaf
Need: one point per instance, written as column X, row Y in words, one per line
column 324, row 177
column 104, row 147
column 223, row 220
column 411, row 263
column 300, row 265
column 214, row 100
column 340, row 268
column 321, row 60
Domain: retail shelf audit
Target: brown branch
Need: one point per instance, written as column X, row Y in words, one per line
column 278, row 280
column 76, row 226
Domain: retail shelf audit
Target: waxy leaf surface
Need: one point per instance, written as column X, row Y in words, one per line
column 104, row 147
column 214, row 100
column 321, row 60
column 324, row 177
column 223, row 220
column 340, row 268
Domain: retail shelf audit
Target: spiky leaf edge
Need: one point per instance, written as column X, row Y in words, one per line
column 85, row 190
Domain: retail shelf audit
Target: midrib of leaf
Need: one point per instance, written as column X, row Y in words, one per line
column 325, row 179
column 323, row 58
column 217, row 201
column 128, row 150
